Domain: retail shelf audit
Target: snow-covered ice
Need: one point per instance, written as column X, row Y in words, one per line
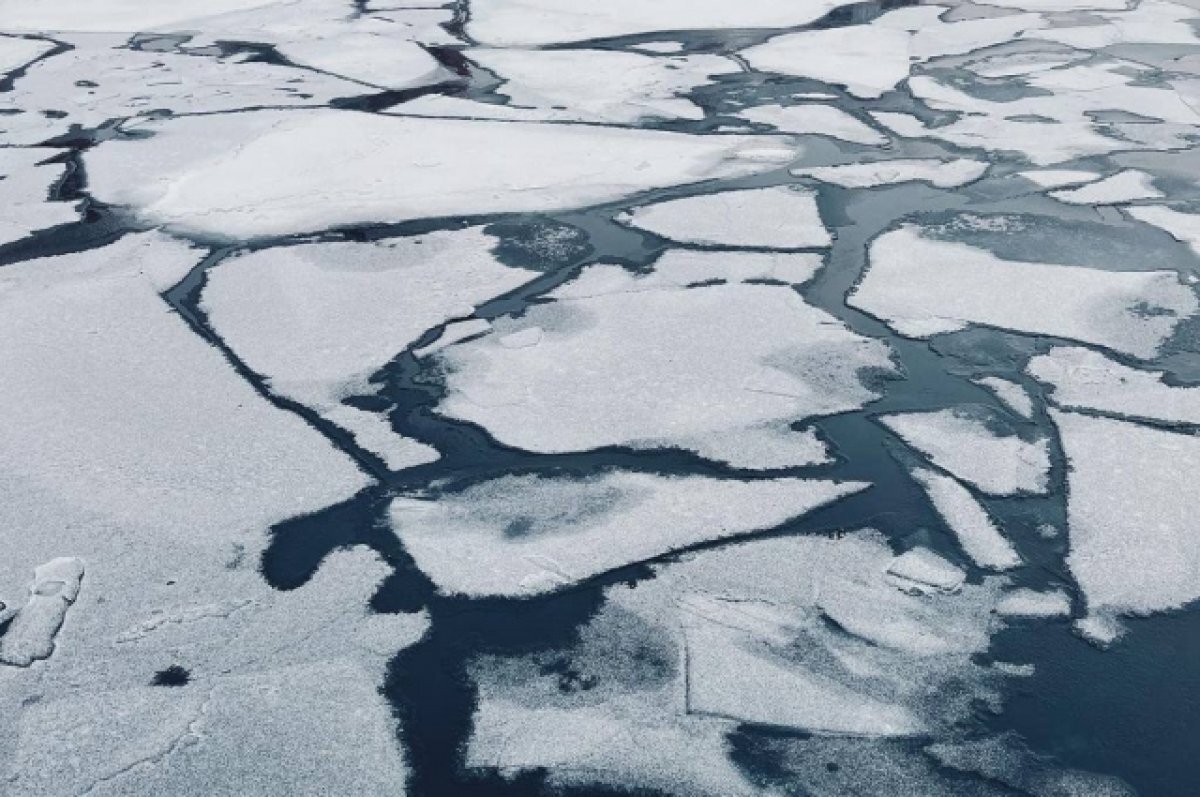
column 975, row 529
column 31, row 635
column 921, row 570
column 943, row 174
column 814, row 119
column 1013, row 394
column 1183, row 227
column 1125, row 186
column 1030, row 603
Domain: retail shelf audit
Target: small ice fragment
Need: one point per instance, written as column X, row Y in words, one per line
column 970, row 522
column 814, row 119
column 1121, row 187
column 943, row 174
column 923, row 571
column 1102, row 630
column 1058, row 178
column 1011, row 393
column 1031, row 603
column 31, row 635
column 1184, row 227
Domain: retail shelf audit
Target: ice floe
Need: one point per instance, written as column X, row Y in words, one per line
column 17, row 51
column 943, row 174
column 1133, row 546
column 1125, row 186
column 723, row 370
column 923, row 287
column 25, row 185
column 1013, row 394
column 921, row 571
column 30, row 636
column 972, row 525
column 814, row 119
column 1058, row 178
column 524, row 535
column 1183, row 227
column 968, row 445
column 1033, row 604
column 781, row 217
column 235, row 175
column 1084, row 379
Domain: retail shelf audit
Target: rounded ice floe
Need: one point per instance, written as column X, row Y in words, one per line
column 519, row 536
column 781, row 217
column 723, row 370
column 923, row 287
column 943, row 174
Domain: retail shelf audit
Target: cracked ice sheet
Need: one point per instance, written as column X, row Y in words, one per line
column 526, row 535
column 781, row 217
column 814, row 119
column 922, row 287
column 730, row 369
column 1183, row 227
column 505, row 23
column 562, row 84
column 341, row 311
column 943, row 174
column 967, row 445
column 235, row 175
column 1083, row 379
column 115, row 15
column 24, row 192
column 1132, row 527
column 972, row 525
column 800, row 632
column 16, row 52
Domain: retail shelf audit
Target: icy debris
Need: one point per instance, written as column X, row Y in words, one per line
column 31, row 635
column 923, row 287
column 1013, row 394
column 1121, row 187
column 235, row 175
column 524, row 535
column 943, row 174
column 1134, row 549
column 1058, row 178
column 1183, row 227
column 1031, row 603
column 536, row 22
column 781, row 217
column 1084, row 379
column 976, row 531
column 24, row 188
column 814, row 119
column 966, row 445
column 562, row 84
column 731, row 369
column 318, row 728
column 922, row 571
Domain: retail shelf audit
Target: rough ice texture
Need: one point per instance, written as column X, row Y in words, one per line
column 814, row 119
column 722, row 370
column 922, row 571
column 1184, row 227
column 772, row 218
column 1013, row 394
column 976, row 531
column 1031, row 603
column 341, row 311
column 1134, row 549
column 1121, row 187
column 31, row 635
column 536, row 22
column 24, row 187
column 923, row 287
column 1084, row 379
column 523, row 535
column 943, row 174
column 235, row 175
column 964, row 445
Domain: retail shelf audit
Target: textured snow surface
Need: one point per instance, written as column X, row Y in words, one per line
column 976, row 531
column 1084, row 379
column 522, row 535
column 943, row 174
column 925, row 287
column 1031, row 603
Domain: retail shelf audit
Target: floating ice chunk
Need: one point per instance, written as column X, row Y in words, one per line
column 1121, row 187
column 235, row 175
column 1083, row 379
column 781, row 217
column 966, row 446
column 1183, row 227
column 1132, row 527
column 1058, row 178
column 943, row 174
column 688, row 266
column 731, row 368
column 31, row 635
column 368, row 58
column 815, row 119
column 536, row 22
column 1031, row 603
column 923, row 571
column 976, row 531
column 563, row 85
column 1007, row 760
column 922, row 287
column 526, row 535
column 1013, row 394
column 115, row 15
column 341, row 311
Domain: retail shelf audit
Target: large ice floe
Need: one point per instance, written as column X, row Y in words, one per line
column 731, row 369
column 236, row 174
column 923, row 287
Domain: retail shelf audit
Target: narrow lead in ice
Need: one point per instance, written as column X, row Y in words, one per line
column 923, row 287
column 976, row 531
column 966, row 445
column 525, row 535
column 31, row 635
column 943, row 174
column 771, row 218
column 1083, row 379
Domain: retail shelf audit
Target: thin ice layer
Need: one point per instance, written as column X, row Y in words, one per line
column 623, row 366
column 235, row 175
column 524, row 535
column 923, row 287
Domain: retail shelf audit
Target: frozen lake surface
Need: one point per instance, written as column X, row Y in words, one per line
column 688, row 398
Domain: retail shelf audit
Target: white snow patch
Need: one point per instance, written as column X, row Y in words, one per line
column 943, row 174
column 921, row 571
column 1031, row 603
column 1058, row 178
column 1124, row 186
column 972, row 525
column 814, row 119
column 1013, row 394
column 31, row 635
